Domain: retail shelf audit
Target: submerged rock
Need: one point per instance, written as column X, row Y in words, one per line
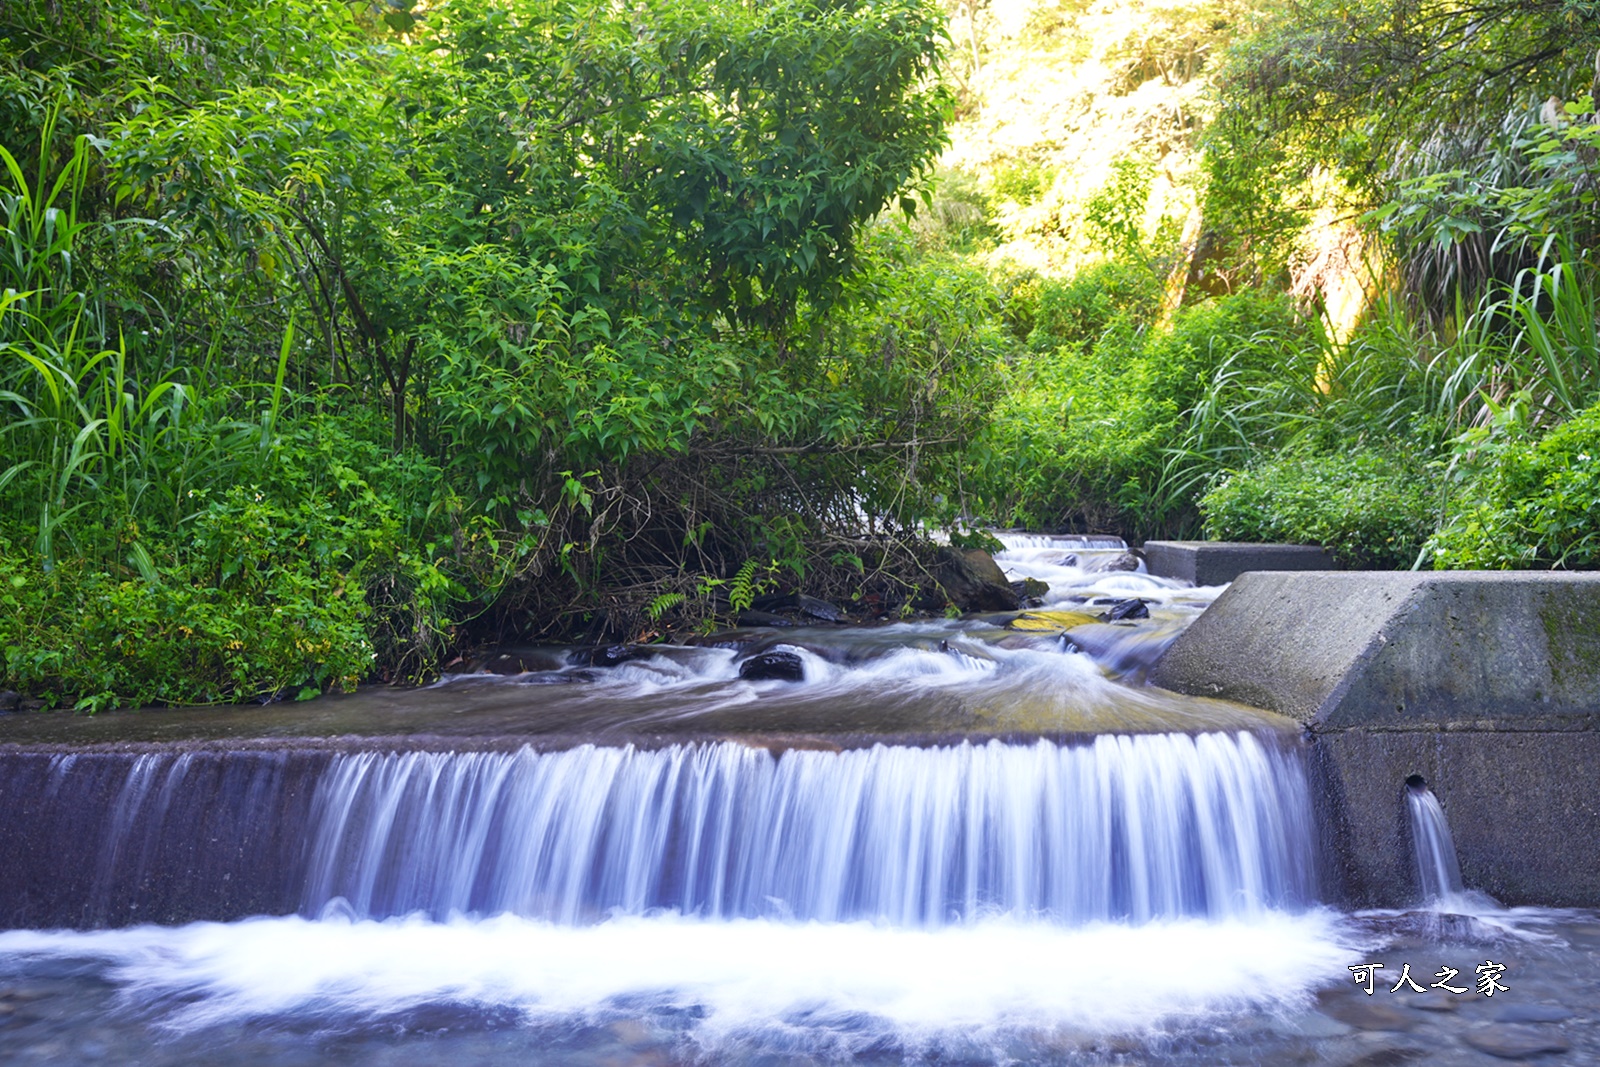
column 775, row 664
column 763, row 618
column 1515, row 1042
column 609, row 656
column 1366, row 1013
column 1050, row 621
column 520, row 661
column 737, row 640
column 1532, row 1013
column 798, row 604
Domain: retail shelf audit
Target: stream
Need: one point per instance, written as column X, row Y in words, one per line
column 968, row 841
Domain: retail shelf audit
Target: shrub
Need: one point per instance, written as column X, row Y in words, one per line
column 308, row 577
column 1079, row 310
column 79, row 633
column 1532, row 503
column 1368, row 508
column 1121, row 431
column 1257, row 336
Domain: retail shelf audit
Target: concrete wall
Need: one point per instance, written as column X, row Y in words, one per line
column 107, row 838
column 1485, row 684
column 1217, row 562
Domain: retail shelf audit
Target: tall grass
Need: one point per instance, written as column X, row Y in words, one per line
column 1404, row 382
column 90, row 448
column 39, row 242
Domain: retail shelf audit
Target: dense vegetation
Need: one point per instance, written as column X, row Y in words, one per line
column 339, row 339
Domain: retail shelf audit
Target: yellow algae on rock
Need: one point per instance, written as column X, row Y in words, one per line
column 1050, row 621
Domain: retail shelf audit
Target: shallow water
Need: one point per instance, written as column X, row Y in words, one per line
column 663, row 989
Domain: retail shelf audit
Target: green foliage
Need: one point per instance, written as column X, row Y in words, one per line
column 306, row 579
column 1528, row 502
column 742, row 587
column 83, row 635
column 1021, row 181
column 663, row 604
column 959, row 217
column 1256, row 333
column 1368, row 82
column 1121, row 431
column 1079, row 310
column 480, row 307
column 1115, row 214
column 1368, row 508
column 1429, row 112
column 979, row 539
column 1254, row 200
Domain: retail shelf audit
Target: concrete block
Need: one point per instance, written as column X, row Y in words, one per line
column 1399, row 649
column 1216, row 562
column 1487, row 684
column 1522, row 805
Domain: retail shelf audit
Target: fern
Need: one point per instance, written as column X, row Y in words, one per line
column 742, row 591
column 661, row 604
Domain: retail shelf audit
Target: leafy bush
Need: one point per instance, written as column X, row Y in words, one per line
column 1368, row 508
column 1078, row 310
column 1531, row 504
column 81, row 633
column 1257, row 336
column 1077, row 434
column 1120, row 432
column 310, row 575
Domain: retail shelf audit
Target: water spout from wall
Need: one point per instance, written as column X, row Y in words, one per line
column 1438, row 872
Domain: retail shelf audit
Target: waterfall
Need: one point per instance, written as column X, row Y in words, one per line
column 1126, row 827
column 1015, row 540
column 1438, row 873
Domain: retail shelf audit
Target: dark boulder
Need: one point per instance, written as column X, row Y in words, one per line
column 520, row 661
column 1030, row 592
column 10, row 701
column 1133, row 608
column 1516, row 1042
column 817, row 608
column 775, row 664
column 763, row 618
column 737, row 640
column 973, row 581
column 609, row 656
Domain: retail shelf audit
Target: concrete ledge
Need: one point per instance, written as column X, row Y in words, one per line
column 1485, row 683
column 1399, row 649
column 1216, row 562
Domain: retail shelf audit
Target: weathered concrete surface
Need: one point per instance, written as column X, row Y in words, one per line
column 98, row 838
column 1523, row 810
column 1403, row 650
column 1216, row 562
column 1485, row 683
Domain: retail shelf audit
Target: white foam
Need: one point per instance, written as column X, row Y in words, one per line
column 742, row 976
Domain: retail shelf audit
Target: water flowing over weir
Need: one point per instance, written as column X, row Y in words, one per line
column 1159, row 826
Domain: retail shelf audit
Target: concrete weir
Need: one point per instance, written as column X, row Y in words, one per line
column 1487, row 684
column 1216, row 562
